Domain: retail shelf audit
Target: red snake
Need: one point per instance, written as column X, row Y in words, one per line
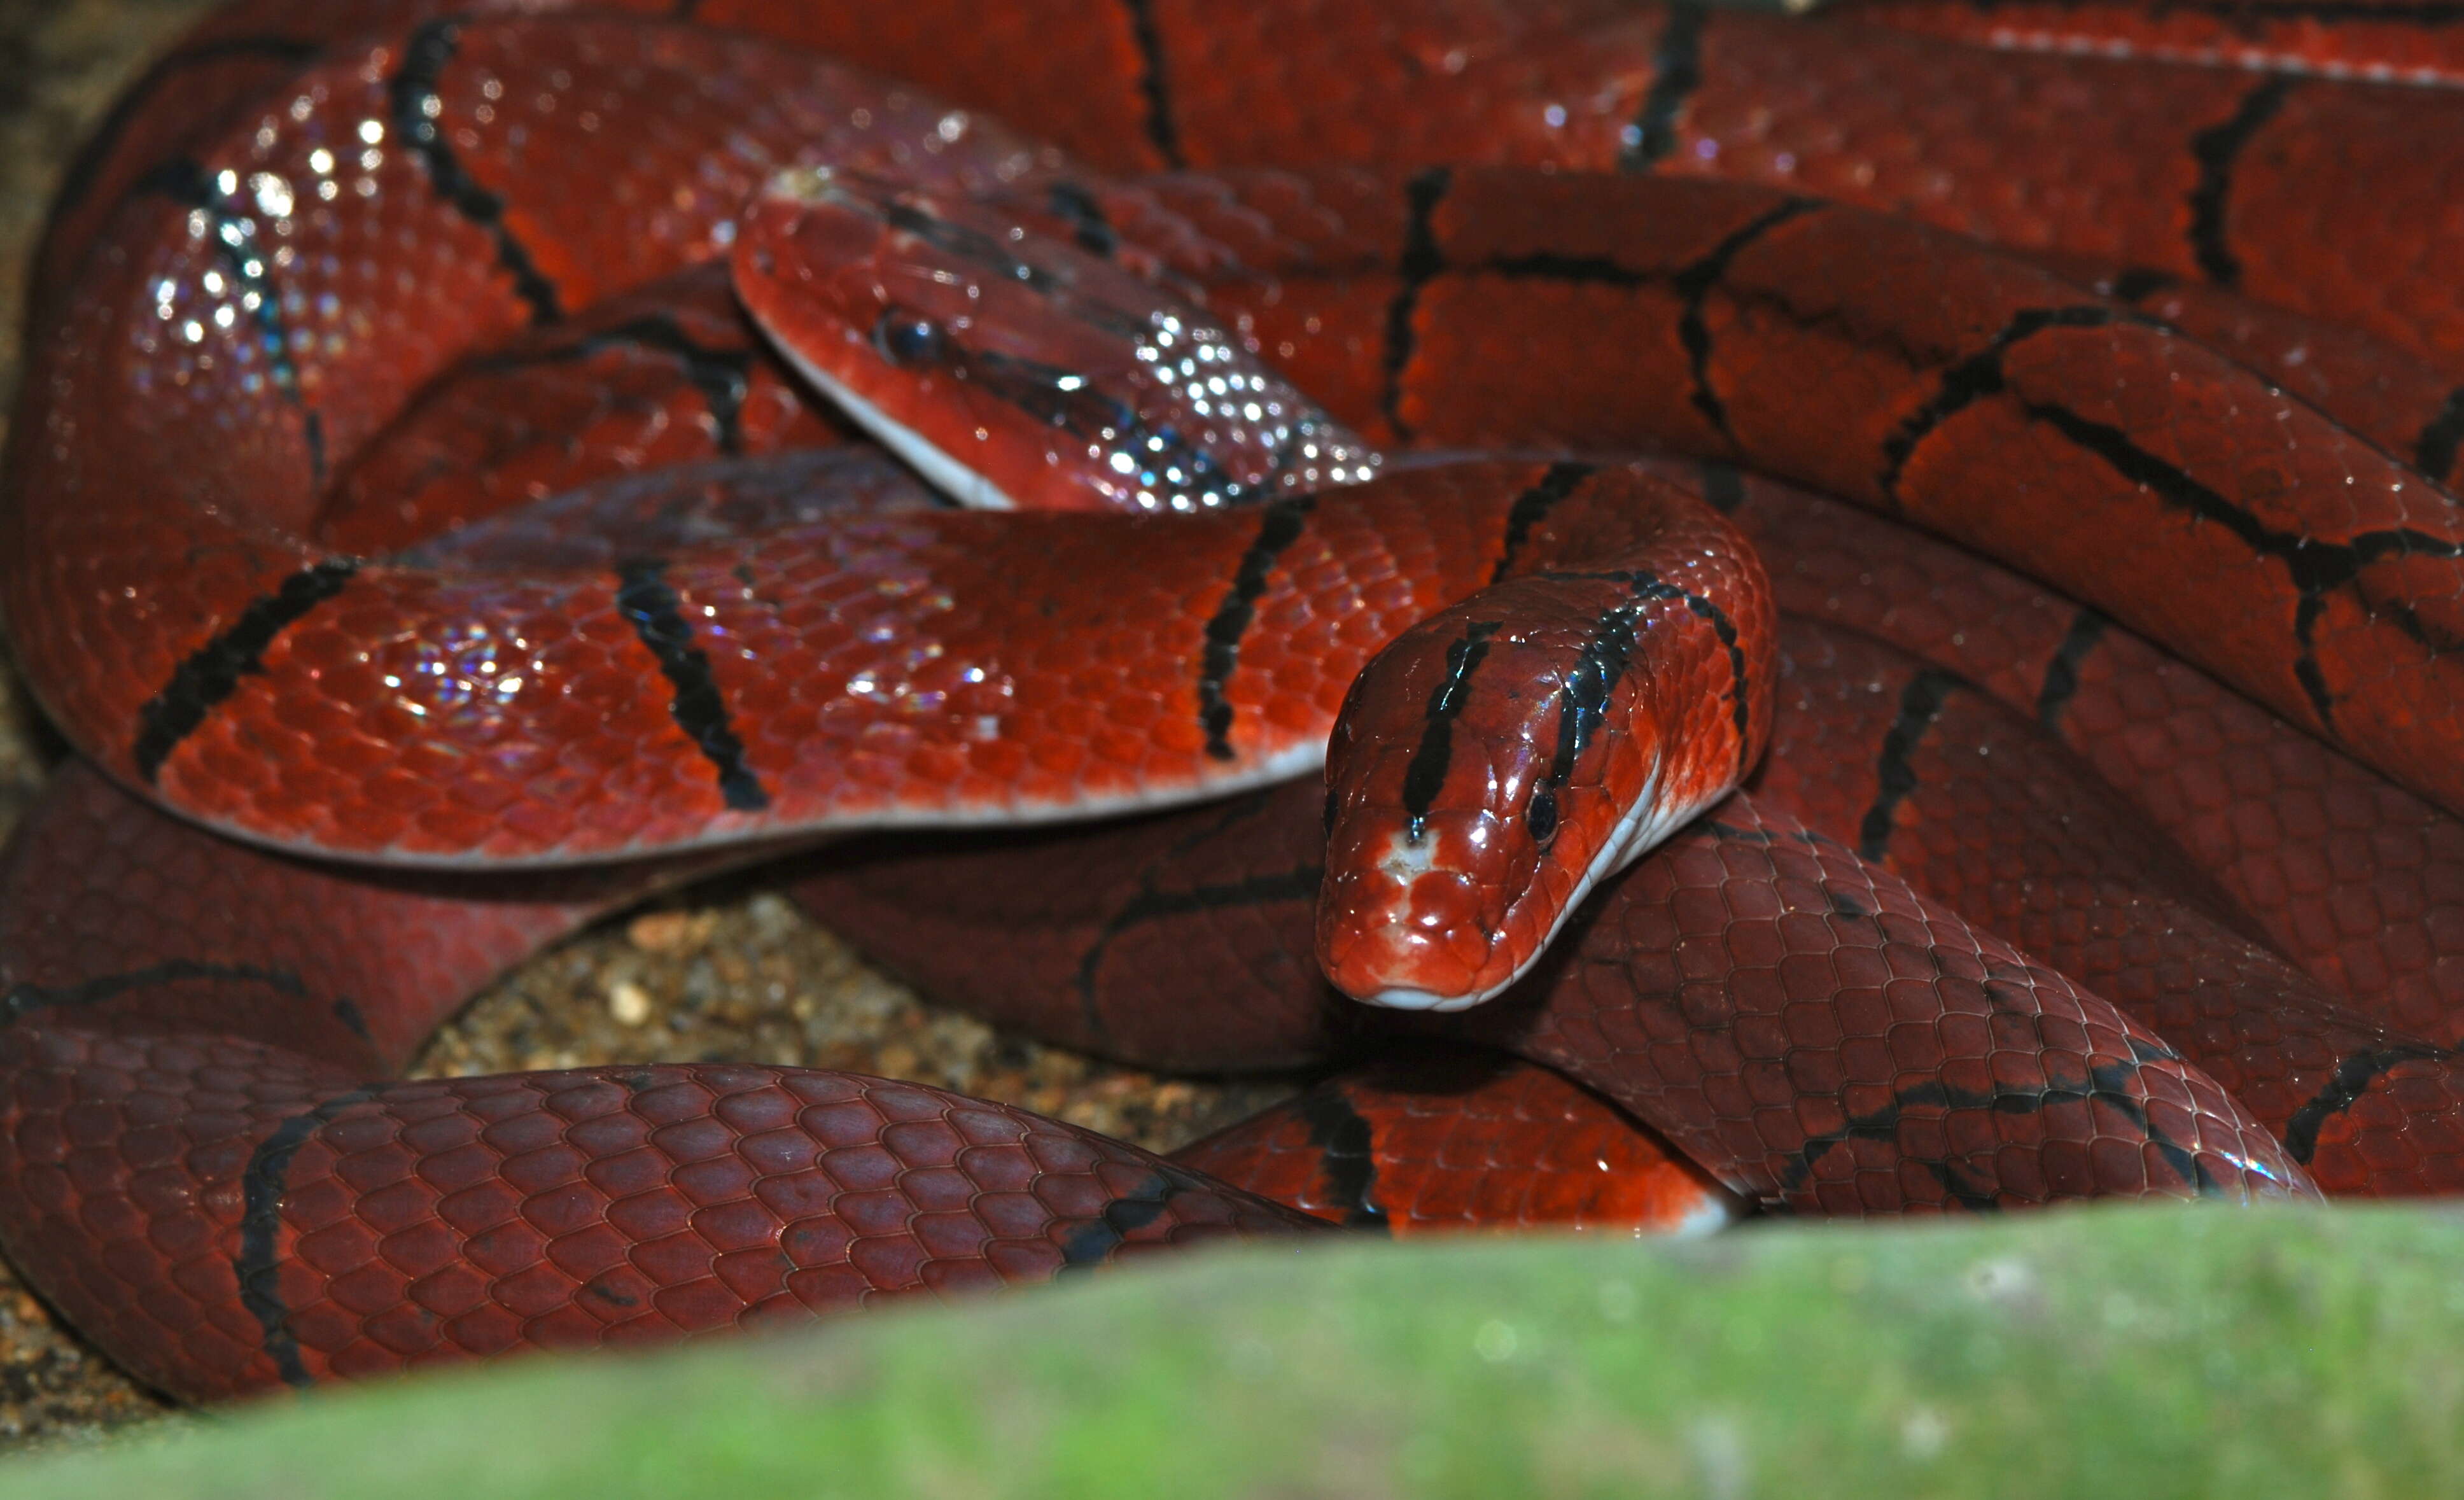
column 324, row 289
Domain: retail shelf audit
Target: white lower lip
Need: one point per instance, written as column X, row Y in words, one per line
column 942, row 471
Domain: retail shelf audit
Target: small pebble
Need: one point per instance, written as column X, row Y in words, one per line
column 667, row 932
column 628, row 1002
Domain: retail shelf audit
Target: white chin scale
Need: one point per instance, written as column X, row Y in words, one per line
column 939, row 470
column 1423, row 999
column 1637, row 833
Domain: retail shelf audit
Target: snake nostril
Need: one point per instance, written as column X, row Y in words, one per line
column 906, row 338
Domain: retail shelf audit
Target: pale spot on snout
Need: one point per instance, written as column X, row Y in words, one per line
column 1408, row 859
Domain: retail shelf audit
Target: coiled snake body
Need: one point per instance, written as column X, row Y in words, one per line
column 333, row 291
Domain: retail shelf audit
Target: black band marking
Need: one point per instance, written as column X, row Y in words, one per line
column 2315, row 565
column 1425, row 775
column 1740, row 711
column 2138, row 283
column 410, row 94
column 2217, row 149
column 263, row 1186
column 647, row 601
column 1972, row 380
column 1279, row 526
column 232, row 230
column 1723, row 485
column 723, row 376
column 1920, row 703
column 2433, row 451
column 2063, row 673
column 1695, row 283
column 87, row 164
column 2108, row 1084
column 1347, row 1156
column 212, row 672
column 1092, row 1243
column 2352, row 1079
column 1093, row 232
column 23, row 999
column 1149, row 904
column 1676, row 73
column 1420, row 261
column 1161, row 132
column 1532, row 506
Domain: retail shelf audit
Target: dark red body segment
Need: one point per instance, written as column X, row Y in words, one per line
column 1445, row 1141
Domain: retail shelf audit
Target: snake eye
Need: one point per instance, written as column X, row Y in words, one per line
column 905, row 337
column 1543, row 816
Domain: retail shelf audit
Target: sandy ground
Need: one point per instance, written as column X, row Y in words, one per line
column 734, row 971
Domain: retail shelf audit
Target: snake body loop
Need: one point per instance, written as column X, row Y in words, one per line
column 399, row 490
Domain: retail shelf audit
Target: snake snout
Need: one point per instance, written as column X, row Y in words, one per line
column 1413, row 921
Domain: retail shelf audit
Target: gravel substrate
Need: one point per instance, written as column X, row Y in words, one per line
column 733, row 972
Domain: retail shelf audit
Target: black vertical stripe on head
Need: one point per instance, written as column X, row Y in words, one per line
column 2433, row 451
column 657, row 617
column 212, row 671
column 1092, row 1243
column 411, row 95
column 1586, row 688
column 1162, row 132
column 1279, row 526
column 232, row 228
column 1723, row 485
column 1920, row 703
column 2345, row 1087
column 1583, row 697
column 1972, row 380
column 1695, row 283
column 1346, row 1156
column 1676, row 73
column 1583, row 693
column 1532, row 506
column 2217, row 149
column 1425, row 775
column 1088, row 225
column 264, row 1184
column 1420, row 261
column 2063, row 673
